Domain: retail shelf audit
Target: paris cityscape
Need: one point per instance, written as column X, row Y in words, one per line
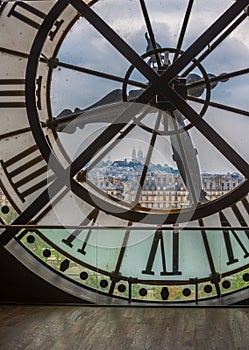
column 163, row 186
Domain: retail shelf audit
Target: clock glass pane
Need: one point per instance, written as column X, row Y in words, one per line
column 124, row 147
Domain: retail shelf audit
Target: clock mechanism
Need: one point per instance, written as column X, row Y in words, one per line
column 124, row 161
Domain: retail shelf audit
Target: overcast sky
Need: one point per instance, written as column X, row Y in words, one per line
column 84, row 46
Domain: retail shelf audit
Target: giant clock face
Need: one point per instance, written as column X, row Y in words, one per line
column 108, row 110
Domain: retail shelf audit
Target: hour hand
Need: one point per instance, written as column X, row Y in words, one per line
column 196, row 84
column 106, row 110
column 185, row 156
column 68, row 121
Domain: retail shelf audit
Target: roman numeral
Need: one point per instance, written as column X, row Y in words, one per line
column 89, row 220
column 15, row 88
column 12, row 93
column 32, row 16
column 240, row 218
column 227, row 234
column 21, row 174
column 38, row 92
column 245, row 204
column 158, row 238
column 214, row 276
column 115, row 275
column 20, row 10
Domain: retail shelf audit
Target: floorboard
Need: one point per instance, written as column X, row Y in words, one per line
column 120, row 328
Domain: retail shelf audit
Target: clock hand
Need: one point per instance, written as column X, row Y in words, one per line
column 67, row 121
column 109, row 111
column 185, row 156
column 103, row 111
column 211, row 135
column 196, row 85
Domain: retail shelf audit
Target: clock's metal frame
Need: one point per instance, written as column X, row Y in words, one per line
column 136, row 215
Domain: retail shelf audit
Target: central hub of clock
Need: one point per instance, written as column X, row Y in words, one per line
column 189, row 86
column 179, row 85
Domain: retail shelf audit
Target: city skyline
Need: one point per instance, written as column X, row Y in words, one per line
column 161, row 187
column 171, row 164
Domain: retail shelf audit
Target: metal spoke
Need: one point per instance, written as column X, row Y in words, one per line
column 219, row 106
column 204, row 40
column 183, row 29
column 150, row 31
column 55, row 62
column 115, row 40
column 148, row 158
column 217, row 42
column 233, row 74
column 221, row 145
